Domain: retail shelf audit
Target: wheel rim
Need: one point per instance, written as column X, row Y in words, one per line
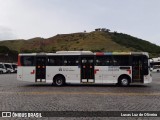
column 124, row 82
column 59, row 81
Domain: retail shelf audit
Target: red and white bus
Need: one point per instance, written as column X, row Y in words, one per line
column 83, row 67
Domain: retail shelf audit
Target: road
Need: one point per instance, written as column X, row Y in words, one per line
column 24, row 96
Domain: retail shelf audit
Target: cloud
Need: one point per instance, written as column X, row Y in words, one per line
column 45, row 18
column 7, row 33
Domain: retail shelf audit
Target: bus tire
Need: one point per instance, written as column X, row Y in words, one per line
column 59, row 81
column 1, row 72
column 124, row 81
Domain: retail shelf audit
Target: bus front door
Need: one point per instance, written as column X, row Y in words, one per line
column 137, row 72
column 87, row 69
column 40, row 69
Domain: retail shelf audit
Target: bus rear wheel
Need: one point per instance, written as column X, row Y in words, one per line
column 124, row 81
column 59, row 81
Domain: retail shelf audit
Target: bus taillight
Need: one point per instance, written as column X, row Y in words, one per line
column 19, row 60
column 129, row 71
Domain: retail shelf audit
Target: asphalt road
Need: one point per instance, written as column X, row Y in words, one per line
column 24, row 96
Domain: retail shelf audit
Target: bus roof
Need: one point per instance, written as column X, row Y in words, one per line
column 84, row 53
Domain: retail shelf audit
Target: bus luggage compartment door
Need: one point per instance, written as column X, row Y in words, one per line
column 87, row 69
column 40, row 69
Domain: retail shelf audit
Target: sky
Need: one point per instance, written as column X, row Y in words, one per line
column 25, row 19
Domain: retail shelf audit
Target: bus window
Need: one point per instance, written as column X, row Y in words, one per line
column 103, row 61
column 84, row 60
column 55, row 61
column 108, row 61
column 100, row 60
column 90, row 61
column 121, row 60
column 27, row 61
column 71, row 61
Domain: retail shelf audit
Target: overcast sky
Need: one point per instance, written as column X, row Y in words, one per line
column 45, row 18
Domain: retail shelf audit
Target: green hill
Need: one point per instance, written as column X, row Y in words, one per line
column 7, row 55
column 94, row 41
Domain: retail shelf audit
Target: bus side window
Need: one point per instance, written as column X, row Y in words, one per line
column 100, row 60
column 28, row 61
column 108, row 61
column 122, row 60
column 54, row 60
column 103, row 60
column 90, row 61
column 84, row 60
column 71, row 61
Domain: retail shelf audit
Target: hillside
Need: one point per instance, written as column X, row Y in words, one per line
column 7, row 55
column 94, row 41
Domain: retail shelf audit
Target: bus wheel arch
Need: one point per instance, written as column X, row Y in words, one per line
column 59, row 80
column 124, row 80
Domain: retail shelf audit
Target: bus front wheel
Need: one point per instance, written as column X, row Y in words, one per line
column 59, row 81
column 124, row 81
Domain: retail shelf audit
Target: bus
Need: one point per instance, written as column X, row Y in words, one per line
column 155, row 68
column 83, row 67
column 155, row 64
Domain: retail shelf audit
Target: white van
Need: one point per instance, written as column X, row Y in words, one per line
column 14, row 66
column 2, row 68
column 9, row 67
